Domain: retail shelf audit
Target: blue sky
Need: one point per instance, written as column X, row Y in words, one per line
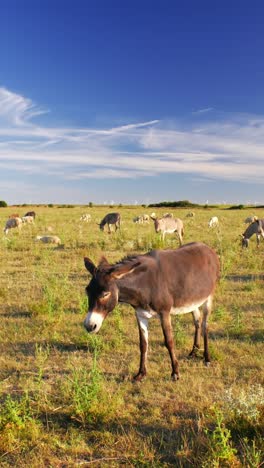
column 131, row 102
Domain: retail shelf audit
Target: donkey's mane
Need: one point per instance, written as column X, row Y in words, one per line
column 136, row 258
column 128, row 259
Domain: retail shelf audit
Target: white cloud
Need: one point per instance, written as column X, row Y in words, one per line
column 203, row 111
column 230, row 148
column 17, row 109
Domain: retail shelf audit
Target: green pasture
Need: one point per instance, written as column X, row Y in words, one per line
column 68, row 399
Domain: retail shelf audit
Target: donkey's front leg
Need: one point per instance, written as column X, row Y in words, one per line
column 142, row 319
column 168, row 337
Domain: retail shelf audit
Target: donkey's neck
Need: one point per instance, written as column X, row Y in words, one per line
column 130, row 292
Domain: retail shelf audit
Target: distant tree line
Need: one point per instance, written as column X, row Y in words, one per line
column 174, row 204
column 242, row 207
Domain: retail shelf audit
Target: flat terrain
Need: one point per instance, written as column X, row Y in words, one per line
column 68, row 399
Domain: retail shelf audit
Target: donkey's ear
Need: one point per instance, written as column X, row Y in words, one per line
column 103, row 263
column 90, row 266
column 118, row 271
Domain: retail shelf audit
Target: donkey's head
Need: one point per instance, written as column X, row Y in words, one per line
column 157, row 223
column 102, row 291
column 244, row 241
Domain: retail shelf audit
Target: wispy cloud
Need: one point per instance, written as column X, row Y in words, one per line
column 16, row 109
column 203, row 111
column 230, row 148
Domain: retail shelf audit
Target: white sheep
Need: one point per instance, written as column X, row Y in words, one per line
column 141, row 219
column 27, row 219
column 213, row 222
column 48, row 239
column 250, row 219
column 86, row 217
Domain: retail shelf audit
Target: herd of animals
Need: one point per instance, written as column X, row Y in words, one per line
column 159, row 283
column 166, row 224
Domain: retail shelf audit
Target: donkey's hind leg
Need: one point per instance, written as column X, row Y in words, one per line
column 207, row 308
column 197, row 334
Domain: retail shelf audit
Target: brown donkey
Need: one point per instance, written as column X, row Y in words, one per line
column 159, row 283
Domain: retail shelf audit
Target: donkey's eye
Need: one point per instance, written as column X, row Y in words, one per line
column 105, row 294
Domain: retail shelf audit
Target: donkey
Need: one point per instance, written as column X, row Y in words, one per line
column 158, row 283
column 257, row 227
column 109, row 219
column 169, row 225
column 12, row 223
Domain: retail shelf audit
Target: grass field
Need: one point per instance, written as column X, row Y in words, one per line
column 68, row 398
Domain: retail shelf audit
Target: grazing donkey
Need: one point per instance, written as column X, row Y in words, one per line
column 257, row 227
column 169, row 225
column 158, row 283
column 109, row 219
column 13, row 223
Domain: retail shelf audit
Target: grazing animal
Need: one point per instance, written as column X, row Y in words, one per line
column 145, row 218
column 169, row 225
column 213, row 222
column 250, row 219
column 111, row 219
column 31, row 213
column 168, row 215
column 257, row 227
column 190, row 215
column 159, row 283
column 49, row 239
column 12, row 223
column 141, row 219
column 86, row 217
column 27, row 219
column 14, row 215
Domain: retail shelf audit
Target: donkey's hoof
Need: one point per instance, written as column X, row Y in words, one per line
column 139, row 377
column 207, row 363
column 175, row 377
